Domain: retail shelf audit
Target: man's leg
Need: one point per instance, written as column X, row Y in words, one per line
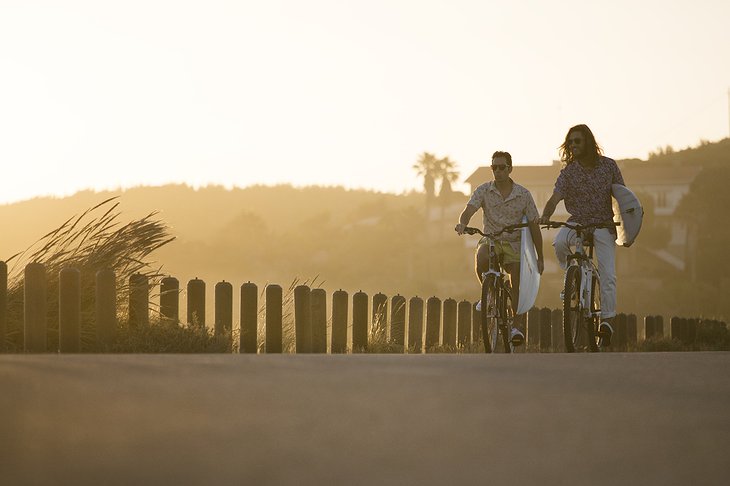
column 605, row 246
column 563, row 242
column 481, row 261
column 514, row 274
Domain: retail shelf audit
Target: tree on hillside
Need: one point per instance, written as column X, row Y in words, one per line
column 447, row 173
column 427, row 167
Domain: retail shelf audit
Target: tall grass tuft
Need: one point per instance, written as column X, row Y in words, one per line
column 90, row 242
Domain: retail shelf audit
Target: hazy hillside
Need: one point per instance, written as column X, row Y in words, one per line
column 355, row 239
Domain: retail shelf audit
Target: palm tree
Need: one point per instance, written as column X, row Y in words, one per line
column 446, row 171
column 428, row 167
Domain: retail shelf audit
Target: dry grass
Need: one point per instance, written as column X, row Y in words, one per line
column 90, row 242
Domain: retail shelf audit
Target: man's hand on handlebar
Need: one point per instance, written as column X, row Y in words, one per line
column 459, row 228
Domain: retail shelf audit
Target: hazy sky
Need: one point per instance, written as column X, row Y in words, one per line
column 101, row 94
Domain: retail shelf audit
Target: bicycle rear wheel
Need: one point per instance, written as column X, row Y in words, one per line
column 573, row 329
column 489, row 313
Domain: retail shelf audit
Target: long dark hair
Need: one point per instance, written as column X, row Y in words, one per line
column 593, row 150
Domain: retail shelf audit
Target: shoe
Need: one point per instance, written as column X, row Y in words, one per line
column 605, row 331
column 479, row 305
column 516, row 337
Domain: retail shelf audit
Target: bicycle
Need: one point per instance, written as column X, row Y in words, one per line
column 497, row 312
column 581, row 301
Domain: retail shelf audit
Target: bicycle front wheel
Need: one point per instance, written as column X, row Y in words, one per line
column 489, row 313
column 573, row 330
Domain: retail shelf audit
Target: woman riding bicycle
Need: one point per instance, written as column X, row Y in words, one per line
column 503, row 203
column 585, row 184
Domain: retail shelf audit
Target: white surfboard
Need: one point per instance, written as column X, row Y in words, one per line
column 529, row 274
column 628, row 211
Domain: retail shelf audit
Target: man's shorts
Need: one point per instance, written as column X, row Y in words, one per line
column 504, row 250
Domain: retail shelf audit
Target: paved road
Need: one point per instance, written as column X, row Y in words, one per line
column 365, row 419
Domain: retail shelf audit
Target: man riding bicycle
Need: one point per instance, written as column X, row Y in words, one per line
column 585, row 184
column 503, row 202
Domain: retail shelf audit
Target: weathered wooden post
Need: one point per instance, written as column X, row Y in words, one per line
column 556, row 322
column 659, row 326
column 170, row 299
column 223, row 292
column 398, row 321
column 463, row 325
column 433, row 323
column 274, row 334
column 359, row 322
column 319, row 321
column 303, row 319
column 139, row 297
column 692, row 325
column 69, row 310
column 649, row 327
column 533, row 329
column 450, row 324
column 196, row 302
column 105, row 308
column 415, row 324
column 545, row 330
column 675, row 327
column 632, row 330
column 339, row 322
column 35, row 309
column 621, row 331
column 3, row 303
column 248, row 340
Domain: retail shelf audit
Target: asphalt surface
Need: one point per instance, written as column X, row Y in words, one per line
column 545, row 419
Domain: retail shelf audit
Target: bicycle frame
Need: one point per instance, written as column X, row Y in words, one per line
column 502, row 298
column 581, row 276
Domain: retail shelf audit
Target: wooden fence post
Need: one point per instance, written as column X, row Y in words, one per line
column 303, row 319
column 621, row 331
column 398, row 321
column 675, row 327
column 3, row 304
column 659, row 326
column 105, row 308
column 35, row 309
column 69, row 311
column 649, row 327
column 450, row 324
column 545, row 330
column 359, row 322
column 433, row 323
column 139, row 297
column 196, row 302
column 632, row 331
column 415, row 324
column 463, row 326
column 339, row 322
column 319, row 320
column 556, row 322
column 533, row 329
column 248, row 339
column 170, row 299
column 223, row 292
column 274, row 337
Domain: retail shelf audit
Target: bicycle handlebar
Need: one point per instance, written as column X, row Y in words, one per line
column 507, row 229
column 577, row 226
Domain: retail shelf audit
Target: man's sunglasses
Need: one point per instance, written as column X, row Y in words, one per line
column 499, row 167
